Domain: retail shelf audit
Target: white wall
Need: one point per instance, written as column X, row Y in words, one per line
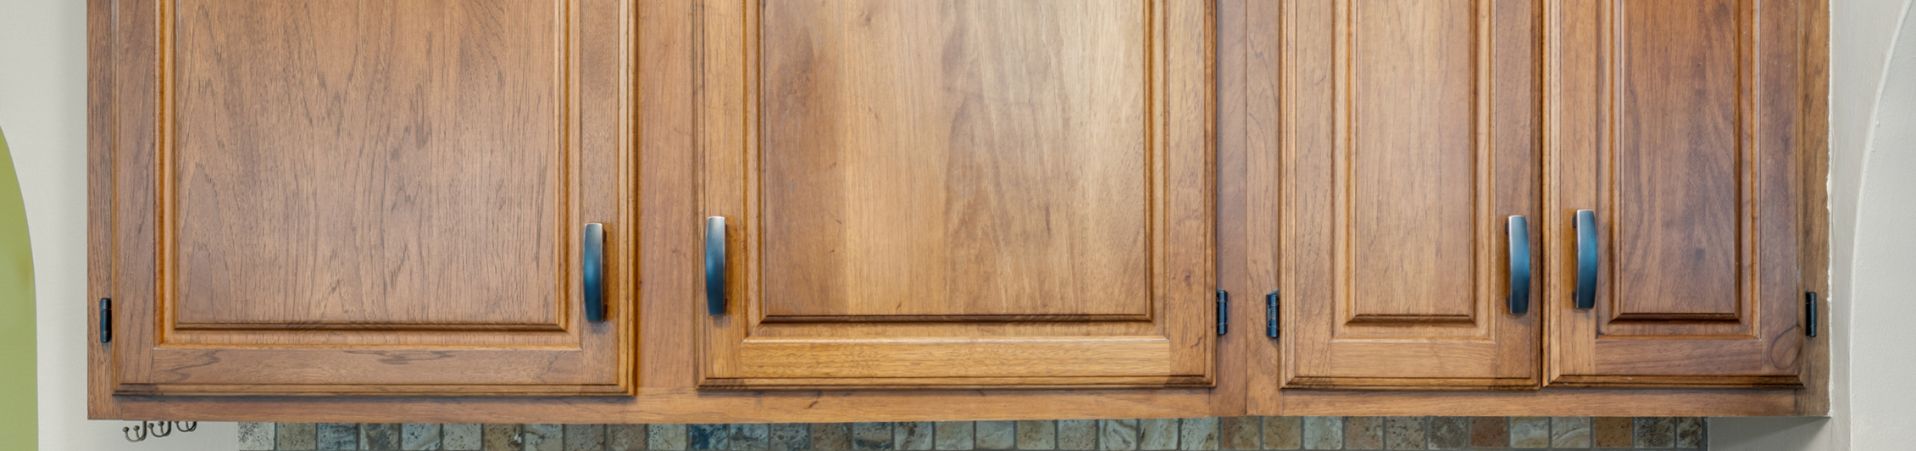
column 43, row 107
column 1882, row 401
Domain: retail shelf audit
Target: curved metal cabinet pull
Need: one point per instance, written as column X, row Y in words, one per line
column 106, row 320
column 1271, row 315
column 715, row 265
column 592, row 270
column 1519, row 235
column 1586, row 292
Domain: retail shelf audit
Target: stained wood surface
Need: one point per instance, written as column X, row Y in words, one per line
column 1255, row 41
column 962, row 193
column 952, row 160
column 331, row 165
column 345, row 198
column 1688, row 144
column 1814, row 397
column 684, row 406
column 1409, row 134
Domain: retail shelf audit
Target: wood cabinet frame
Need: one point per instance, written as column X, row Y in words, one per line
column 542, row 344
column 1249, row 52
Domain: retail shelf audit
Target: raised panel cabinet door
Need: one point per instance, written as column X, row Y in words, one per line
column 1410, row 147
column 1680, row 130
column 320, row 197
column 964, row 193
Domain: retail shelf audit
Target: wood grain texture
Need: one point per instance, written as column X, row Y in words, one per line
column 675, row 406
column 665, row 156
column 1687, row 143
column 1411, row 133
column 1264, row 47
column 1814, row 397
column 1547, row 402
column 1236, row 199
column 335, row 165
column 1675, row 180
column 335, row 198
column 103, row 43
column 958, row 190
column 969, row 159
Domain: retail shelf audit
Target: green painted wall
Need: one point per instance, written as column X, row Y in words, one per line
column 19, row 410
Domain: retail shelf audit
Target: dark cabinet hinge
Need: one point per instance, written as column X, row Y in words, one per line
column 1223, row 312
column 1270, row 314
column 1809, row 314
column 106, row 320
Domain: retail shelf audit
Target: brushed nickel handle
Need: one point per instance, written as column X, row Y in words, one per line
column 592, row 271
column 1586, row 292
column 715, row 265
column 1520, row 269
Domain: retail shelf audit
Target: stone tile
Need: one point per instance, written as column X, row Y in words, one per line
column 1158, row 434
column 1655, row 432
column 501, row 437
column 1689, row 433
column 1405, row 432
column 1570, row 432
column 461, row 437
column 708, row 436
column 1363, row 432
column 1037, row 435
column 836, row 436
column 1077, row 435
column 1529, row 432
column 1283, row 432
column 1118, row 434
column 997, row 435
column 543, row 437
column 413, row 436
column 256, row 437
column 338, row 436
column 789, row 437
column 625, row 437
column 1449, row 432
column 666, row 437
column 912, row 436
column 872, row 436
column 1613, row 432
column 1239, row 432
column 584, row 437
column 379, row 436
column 1323, row 432
column 954, row 435
column 296, row 436
column 752, row 437
column 1489, row 432
column 1197, row 433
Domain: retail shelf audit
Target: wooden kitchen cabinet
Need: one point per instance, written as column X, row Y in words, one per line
column 1411, row 147
column 358, row 197
column 1415, row 131
column 1687, row 137
column 957, row 193
column 876, row 210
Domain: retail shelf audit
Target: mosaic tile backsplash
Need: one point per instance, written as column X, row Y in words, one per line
column 1233, row 433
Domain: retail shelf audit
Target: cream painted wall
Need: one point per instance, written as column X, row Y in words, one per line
column 43, row 106
column 1882, row 404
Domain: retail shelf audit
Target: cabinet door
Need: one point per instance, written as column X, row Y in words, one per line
column 307, row 197
column 1680, row 129
column 958, row 193
column 1410, row 140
